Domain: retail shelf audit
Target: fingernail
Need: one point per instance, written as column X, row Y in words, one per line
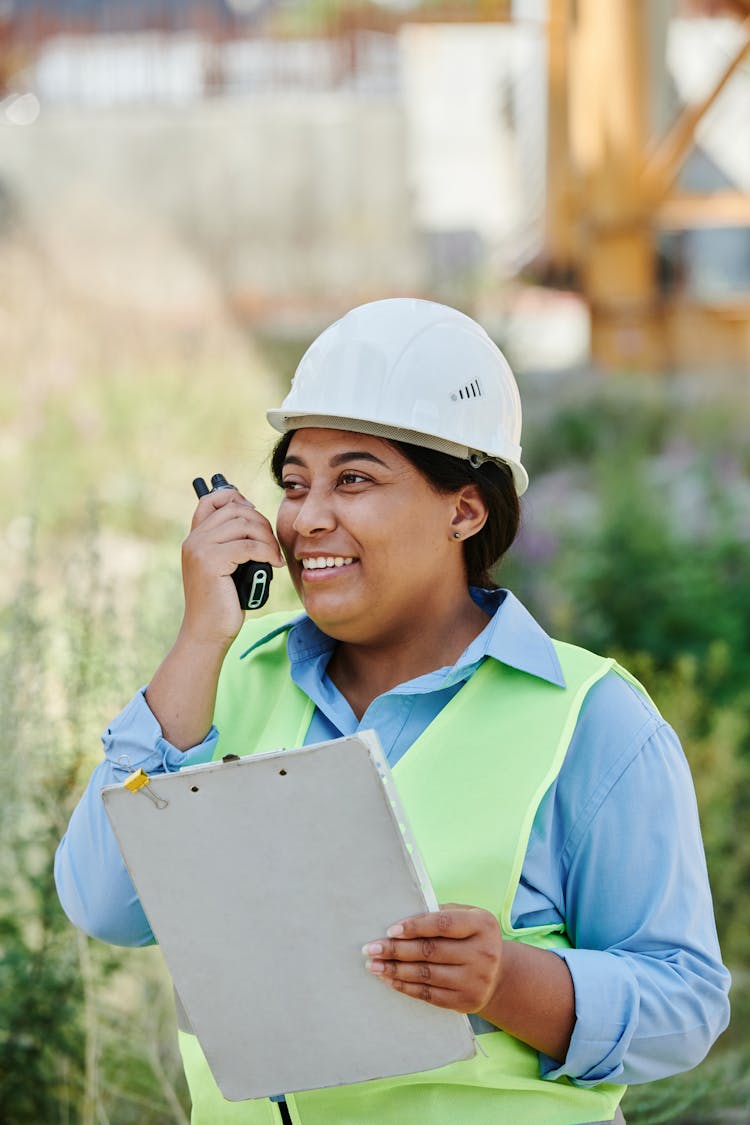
column 373, row 947
column 375, row 966
column 395, row 931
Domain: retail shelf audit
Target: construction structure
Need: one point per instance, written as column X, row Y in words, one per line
column 616, row 142
column 612, row 186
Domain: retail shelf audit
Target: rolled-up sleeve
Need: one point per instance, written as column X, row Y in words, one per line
column 92, row 882
column 651, row 992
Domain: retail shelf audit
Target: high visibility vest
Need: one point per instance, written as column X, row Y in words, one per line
column 471, row 785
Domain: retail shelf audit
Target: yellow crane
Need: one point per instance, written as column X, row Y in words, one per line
column 611, row 189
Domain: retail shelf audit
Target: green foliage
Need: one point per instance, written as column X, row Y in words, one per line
column 99, row 437
column 641, row 585
column 42, row 1039
column 74, row 1044
column 41, row 1042
column 580, row 420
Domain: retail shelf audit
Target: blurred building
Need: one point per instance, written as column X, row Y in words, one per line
column 443, row 147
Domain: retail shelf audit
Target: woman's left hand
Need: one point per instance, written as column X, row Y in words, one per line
column 452, row 958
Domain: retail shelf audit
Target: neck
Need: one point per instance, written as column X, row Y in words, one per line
column 363, row 671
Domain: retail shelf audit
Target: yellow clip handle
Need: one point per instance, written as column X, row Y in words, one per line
column 136, row 781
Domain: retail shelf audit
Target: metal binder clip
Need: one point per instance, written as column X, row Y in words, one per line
column 140, row 782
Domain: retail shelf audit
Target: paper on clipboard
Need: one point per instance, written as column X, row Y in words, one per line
column 262, row 878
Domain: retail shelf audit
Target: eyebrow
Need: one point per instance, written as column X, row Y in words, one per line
column 340, row 459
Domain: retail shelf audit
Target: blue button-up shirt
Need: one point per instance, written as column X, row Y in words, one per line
column 615, row 850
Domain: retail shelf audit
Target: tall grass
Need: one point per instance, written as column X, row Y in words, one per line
column 85, row 1029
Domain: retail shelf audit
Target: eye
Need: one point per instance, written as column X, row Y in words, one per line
column 350, row 476
column 290, row 485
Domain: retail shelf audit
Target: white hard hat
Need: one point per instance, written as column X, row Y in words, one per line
column 412, row 371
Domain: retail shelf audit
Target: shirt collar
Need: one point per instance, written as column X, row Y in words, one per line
column 515, row 638
column 511, row 636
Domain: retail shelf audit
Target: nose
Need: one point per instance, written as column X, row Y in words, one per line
column 315, row 515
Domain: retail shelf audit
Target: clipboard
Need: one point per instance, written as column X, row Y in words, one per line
column 262, row 878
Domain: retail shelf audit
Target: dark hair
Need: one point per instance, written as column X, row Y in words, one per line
column 483, row 551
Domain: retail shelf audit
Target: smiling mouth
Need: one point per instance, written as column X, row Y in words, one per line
column 326, row 562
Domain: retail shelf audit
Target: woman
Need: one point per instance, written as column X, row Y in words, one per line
column 557, row 821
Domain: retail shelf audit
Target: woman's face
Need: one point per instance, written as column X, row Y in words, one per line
column 369, row 543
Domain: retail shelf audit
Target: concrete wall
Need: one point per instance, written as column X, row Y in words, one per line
column 266, row 197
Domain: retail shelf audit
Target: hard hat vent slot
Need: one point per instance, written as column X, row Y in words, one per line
column 470, row 390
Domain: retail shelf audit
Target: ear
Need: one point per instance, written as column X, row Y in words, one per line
column 469, row 513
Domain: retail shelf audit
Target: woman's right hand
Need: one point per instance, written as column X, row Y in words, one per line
column 227, row 530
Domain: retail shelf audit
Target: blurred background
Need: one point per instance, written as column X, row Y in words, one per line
column 190, row 190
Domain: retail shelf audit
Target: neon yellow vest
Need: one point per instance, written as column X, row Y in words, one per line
column 471, row 785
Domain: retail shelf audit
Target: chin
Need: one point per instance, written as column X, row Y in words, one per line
column 340, row 622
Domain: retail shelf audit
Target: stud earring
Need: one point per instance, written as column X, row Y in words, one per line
column 456, row 534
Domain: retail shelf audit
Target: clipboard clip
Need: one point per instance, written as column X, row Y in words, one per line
column 140, row 782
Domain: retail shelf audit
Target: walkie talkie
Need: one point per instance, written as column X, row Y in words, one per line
column 251, row 579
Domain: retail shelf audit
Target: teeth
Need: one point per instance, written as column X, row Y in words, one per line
column 325, row 561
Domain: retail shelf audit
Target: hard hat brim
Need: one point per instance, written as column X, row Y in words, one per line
column 285, row 421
